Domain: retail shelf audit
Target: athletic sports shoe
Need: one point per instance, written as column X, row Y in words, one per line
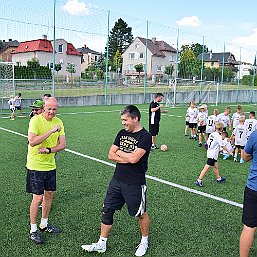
column 206, row 146
column 200, row 144
column 199, row 183
column 154, row 147
column 50, row 229
column 242, row 161
column 95, row 247
column 221, row 179
column 36, row 237
column 226, row 156
column 235, row 158
column 141, row 249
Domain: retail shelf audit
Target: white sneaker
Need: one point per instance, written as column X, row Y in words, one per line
column 141, row 249
column 95, row 247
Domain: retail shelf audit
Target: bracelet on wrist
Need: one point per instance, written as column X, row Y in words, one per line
column 49, row 150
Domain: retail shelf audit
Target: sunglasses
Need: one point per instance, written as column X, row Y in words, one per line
column 35, row 110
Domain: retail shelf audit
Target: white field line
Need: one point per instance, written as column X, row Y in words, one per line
column 223, row 200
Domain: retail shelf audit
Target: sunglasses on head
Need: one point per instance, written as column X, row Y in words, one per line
column 35, row 109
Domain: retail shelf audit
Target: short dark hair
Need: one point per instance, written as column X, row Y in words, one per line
column 159, row 94
column 48, row 95
column 253, row 113
column 132, row 111
column 225, row 133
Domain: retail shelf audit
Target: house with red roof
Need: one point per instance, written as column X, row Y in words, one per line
column 42, row 50
column 159, row 54
column 7, row 50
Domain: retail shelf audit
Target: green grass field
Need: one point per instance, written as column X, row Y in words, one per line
column 183, row 223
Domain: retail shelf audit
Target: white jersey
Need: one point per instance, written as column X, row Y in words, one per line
column 11, row 103
column 251, row 126
column 210, row 127
column 240, row 133
column 187, row 116
column 17, row 101
column 224, row 119
column 235, row 119
column 192, row 112
column 214, row 143
column 228, row 144
column 202, row 119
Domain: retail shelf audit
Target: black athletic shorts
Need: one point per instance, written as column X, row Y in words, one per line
column 40, row 181
column 201, row 129
column 192, row 125
column 211, row 161
column 249, row 217
column 187, row 123
column 240, row 146
column 154, row 129
column 119, row 193
column 17, row 107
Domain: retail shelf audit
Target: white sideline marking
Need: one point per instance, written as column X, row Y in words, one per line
column 147, row 176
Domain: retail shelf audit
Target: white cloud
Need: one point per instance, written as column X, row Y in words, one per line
column 192, row 21
column 74, row 7
column 250, row 40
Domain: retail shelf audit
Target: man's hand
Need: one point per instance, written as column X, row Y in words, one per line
column 43, row 150
column 56, row 128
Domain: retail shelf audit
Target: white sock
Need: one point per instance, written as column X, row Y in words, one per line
column 102, row 241
column 144, row 240
column 33, row 228
column 44, row 223
column 219, row 178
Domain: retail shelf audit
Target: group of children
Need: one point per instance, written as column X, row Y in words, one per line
column 213, row 129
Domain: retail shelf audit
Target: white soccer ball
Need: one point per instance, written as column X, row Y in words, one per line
column 164, row 148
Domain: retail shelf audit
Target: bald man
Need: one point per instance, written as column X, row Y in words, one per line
column 46, row 137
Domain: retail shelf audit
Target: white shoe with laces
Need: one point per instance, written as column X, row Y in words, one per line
column 95, row 247
column 141, row 249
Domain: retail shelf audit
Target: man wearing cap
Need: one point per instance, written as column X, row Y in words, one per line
column 37, row 108
column 46, row 137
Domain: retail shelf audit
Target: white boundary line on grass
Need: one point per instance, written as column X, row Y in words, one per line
column 223, row 200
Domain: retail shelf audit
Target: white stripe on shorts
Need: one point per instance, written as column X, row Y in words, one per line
column 141, row 209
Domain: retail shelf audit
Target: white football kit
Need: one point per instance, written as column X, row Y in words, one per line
column 235, row 119
column 210, row 127
column 214, row 143
column 192, row 112
column 240, row 133
column 251, row 125
column 224, row 119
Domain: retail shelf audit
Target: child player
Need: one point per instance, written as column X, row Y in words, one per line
column 250, row 124
column 224, row 118
column 192, row 112
column 239, row 136
column 227, row 142
column 214, row 143
column 235, row 117
column 202, row 121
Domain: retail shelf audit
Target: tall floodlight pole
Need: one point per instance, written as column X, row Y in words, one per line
column 222, row 73
column 201, row 83
column 239, row 75
column 53, row 58
column 107, row 60
column 176, row 72
column 253, row 76
column 146, row 59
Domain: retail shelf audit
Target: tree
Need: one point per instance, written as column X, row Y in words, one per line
column 196, row 48
column 57, row 68
column 120, row 38
column 33, row 65
column 169, row 69
column 71, row 69
column 139, row 68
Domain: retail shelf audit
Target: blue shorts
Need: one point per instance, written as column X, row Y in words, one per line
column 120, row 193
column 40, row 181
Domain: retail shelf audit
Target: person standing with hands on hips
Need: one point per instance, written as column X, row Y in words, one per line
column 155, row 117
column 46, row 137
column 130, row 152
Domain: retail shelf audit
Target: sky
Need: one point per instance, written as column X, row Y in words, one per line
column 214, row 23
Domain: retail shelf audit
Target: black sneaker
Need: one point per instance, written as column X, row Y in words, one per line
column 50, row 229
column 36, row 237
column 154, row 147
column 200, row 144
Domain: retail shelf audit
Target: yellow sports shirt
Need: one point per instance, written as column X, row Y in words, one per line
column 39, row 125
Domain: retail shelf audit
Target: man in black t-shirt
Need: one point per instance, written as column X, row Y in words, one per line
column 130, row 151
column 155, row 117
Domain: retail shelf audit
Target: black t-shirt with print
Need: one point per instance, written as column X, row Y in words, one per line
column 154, row 117
column 128, row 142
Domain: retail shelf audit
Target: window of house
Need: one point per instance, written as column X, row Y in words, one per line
column 137, row 46
column 130, row 67
column 159, row 67
column 131, row 56
column 141, row 55
column 60, row 48
column 95, row 58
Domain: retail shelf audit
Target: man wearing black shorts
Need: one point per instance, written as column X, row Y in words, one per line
column 46, row 137
column 130, row 151
column 155, row 117
column 249, row 217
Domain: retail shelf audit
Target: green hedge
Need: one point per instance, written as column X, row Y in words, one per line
column 24, row 72
column 247, row 80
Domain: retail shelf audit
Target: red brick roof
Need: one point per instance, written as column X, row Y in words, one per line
column 42, row 45
column 71, row 50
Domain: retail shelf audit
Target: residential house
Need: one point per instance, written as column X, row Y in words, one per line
column 88, row 57
column 159, row 54
column 42, row 50
column 244, row 69
column 7, row 50
column 215, row 60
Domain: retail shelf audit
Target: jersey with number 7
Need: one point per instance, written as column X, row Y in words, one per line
column 214, row 143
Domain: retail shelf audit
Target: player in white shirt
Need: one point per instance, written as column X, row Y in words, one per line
column 11, row 102
column 214, row 143
column 235, row 117
column 192, row 112
column 227, row 142
column 212, row 119
column 187, row 123
column 250, row 124
column 202, row 121
column 239, row 136
column 224, row 118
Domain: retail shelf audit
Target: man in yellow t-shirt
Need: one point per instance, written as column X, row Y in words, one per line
column 46, row 137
